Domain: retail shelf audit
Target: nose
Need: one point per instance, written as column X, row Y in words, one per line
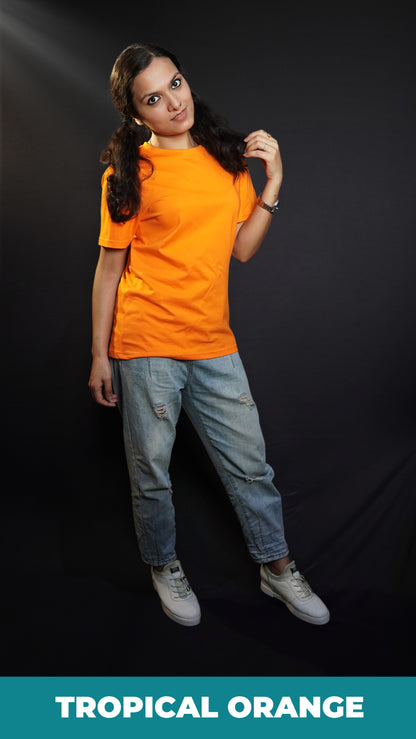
column 174, row 102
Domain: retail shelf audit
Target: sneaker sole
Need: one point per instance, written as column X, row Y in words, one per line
column 179, row 619
column 317, row 620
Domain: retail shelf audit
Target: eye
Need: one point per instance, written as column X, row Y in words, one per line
column 152, row 100
column 176, row 83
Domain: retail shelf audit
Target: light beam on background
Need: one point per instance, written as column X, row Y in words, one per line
column 47, row 36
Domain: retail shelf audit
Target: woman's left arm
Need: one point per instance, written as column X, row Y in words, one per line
column 250, row 233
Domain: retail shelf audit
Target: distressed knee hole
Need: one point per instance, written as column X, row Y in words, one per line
column 254, row 479
column 245, row 400
column 161, row 410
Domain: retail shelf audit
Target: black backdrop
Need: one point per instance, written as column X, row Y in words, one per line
column 324, row 317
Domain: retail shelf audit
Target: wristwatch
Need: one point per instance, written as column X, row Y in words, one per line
column 270, row 208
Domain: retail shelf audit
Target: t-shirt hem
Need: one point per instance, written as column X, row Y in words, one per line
column 175, row 354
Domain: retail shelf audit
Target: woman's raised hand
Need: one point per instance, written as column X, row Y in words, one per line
column 262, row 145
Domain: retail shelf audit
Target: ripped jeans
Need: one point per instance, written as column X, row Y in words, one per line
column 215, row 395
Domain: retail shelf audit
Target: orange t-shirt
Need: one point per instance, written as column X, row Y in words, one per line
column 172, row 300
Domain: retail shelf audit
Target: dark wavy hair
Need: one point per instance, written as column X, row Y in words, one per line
column 123, row 153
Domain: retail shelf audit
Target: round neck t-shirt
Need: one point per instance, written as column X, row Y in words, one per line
column 172, row 299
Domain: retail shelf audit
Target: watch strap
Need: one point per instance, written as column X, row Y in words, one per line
column 270, row 208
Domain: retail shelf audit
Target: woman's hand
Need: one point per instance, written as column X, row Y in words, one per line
column 100, row 382
column 250, row 234
column 262, row 145
column 107, row 276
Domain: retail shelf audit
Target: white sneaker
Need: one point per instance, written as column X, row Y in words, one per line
column 292, row 588
column 179, row 602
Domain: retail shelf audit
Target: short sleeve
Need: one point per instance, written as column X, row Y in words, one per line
column 247, row 195
column 113, row 235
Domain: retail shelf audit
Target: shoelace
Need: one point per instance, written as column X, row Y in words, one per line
column 301, row 586
column 180, row 586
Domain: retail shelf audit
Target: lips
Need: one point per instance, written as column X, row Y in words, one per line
column 180, row 115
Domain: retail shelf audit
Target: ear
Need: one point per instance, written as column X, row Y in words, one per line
column 138, row 121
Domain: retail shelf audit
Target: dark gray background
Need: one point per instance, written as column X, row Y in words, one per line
column 324, row 318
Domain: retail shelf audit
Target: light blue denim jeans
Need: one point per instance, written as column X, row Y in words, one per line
column 215, row 395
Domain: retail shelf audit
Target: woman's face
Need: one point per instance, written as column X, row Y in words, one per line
column 163, row 100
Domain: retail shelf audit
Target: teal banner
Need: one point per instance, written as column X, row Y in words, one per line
column 182, row 707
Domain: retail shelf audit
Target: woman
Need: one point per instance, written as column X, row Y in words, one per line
column 177, row 202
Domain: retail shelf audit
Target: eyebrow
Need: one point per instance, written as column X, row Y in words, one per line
column 150, row 94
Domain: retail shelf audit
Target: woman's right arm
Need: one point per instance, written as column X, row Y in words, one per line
column 110, row 267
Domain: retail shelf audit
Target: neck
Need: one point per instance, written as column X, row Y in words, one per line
column 183, row 141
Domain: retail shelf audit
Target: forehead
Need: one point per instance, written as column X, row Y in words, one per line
column 155, row 77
